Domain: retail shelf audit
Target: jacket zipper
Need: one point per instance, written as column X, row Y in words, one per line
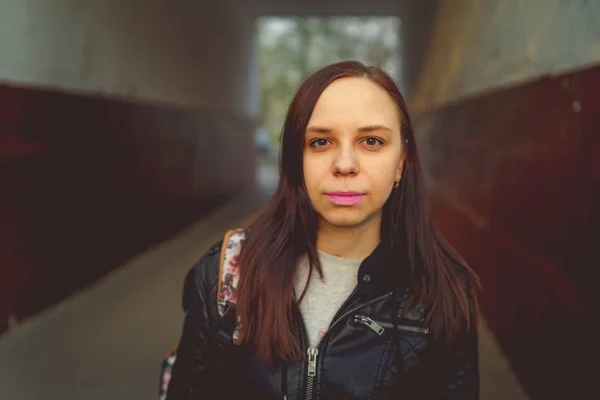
column 380, row 327
column 312, row 357
column 313, row 352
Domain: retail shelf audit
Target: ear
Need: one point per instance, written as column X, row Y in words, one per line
column 398, row 175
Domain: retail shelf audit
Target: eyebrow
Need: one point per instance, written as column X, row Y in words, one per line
column 368, row 128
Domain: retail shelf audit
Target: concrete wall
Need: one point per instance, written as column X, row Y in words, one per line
column 180, row 52
column 121, row 121
column 505, row 109
column 418, row 19
column 480, row 45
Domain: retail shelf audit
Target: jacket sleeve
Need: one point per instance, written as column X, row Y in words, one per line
column 459, row 378
column 194, row 372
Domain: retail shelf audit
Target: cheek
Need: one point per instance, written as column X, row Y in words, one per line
column 381, row 175
column 312, row 176
column 381, row 193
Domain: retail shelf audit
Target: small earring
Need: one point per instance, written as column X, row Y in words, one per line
column 396, row 184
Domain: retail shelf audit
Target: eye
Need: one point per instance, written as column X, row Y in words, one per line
column 318, row 142
column 373, row 141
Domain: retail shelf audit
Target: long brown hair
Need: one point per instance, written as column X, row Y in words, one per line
column 287, row 229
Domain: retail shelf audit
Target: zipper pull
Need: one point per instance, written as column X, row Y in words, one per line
column 312, row 361
column 375, row 327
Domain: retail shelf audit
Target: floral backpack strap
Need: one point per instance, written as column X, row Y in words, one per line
column 226, row 300
column 229, row 277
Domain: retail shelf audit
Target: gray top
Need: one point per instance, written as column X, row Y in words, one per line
column 324, row 297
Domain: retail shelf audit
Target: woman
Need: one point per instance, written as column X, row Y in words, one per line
column 346, row 288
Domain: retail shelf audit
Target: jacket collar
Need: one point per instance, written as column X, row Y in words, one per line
column 381, row 273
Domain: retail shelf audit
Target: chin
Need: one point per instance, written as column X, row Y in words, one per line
column 344, row 220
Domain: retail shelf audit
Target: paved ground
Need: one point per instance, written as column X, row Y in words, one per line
column 107, row 341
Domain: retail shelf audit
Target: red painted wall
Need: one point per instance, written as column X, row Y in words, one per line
column 515, row 181
column 86, row 182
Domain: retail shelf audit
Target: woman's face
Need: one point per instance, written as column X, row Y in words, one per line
column 352, row 152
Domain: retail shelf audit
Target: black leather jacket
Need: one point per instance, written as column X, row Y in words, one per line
column 369, row 352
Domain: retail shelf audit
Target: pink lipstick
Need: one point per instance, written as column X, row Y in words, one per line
column 345, row 198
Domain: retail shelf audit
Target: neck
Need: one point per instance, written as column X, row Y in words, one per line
column 349, row 242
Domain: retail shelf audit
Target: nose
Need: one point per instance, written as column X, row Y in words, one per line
column 345, row 162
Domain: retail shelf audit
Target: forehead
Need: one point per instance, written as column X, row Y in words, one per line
column 355, row 101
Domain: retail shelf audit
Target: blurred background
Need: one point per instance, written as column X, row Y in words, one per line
column 134, row 133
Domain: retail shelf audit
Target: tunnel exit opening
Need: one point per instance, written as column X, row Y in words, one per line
column 289, row 49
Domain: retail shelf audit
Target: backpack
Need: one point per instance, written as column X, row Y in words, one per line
column 226, row 301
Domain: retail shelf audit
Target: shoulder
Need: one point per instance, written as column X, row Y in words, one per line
column 204, row 275
column 207, row 268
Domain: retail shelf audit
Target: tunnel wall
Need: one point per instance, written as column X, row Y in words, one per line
column 477, row 46
column 506, row 111
column 177, row 52
column 515, row 181
column 418, row 19
column 120, row 123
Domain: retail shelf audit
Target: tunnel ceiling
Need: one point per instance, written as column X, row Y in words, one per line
column 321, row 7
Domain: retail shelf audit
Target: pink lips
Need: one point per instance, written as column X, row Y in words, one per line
column 345, row 198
